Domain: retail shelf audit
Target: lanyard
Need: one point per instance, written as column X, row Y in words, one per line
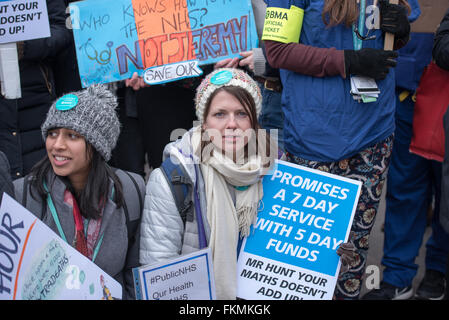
column 54, row 214
column 199, row 216
column 97, row 248
column 361, row 26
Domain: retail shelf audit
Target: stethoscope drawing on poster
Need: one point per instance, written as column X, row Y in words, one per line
column 103, row 58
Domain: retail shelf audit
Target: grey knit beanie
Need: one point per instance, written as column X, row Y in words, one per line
column 91, row 113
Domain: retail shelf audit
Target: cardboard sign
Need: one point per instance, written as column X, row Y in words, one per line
column 291, row 252
column 172, row 72
column 36, row 264
column 116, row 38
column 22, row 20
column 189, row 277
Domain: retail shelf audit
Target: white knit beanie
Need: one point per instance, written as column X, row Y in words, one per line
column 222, row 78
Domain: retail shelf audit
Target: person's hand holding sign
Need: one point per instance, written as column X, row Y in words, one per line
column 227, row 63
column 347, row 252
column 394, row 19
column 247, row 60
column 369, row 62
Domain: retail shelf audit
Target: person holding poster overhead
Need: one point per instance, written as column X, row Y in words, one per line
column 338, row 96
column 72, row 190
column 226, row 175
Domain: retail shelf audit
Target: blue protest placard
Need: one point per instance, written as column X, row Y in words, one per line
column 105, row 36
column 305, row 215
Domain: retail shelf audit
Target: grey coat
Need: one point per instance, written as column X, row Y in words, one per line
column 116, row 256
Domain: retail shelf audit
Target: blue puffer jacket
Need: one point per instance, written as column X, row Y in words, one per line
column 322, row 120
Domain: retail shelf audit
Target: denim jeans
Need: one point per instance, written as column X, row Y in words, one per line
column 271, row 116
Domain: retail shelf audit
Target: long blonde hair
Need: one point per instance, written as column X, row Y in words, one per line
column 345, row 11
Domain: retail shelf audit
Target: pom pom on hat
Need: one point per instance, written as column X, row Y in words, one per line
column 221, row 78
column 89, row 112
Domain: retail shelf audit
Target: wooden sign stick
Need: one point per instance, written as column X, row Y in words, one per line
column 389, row 37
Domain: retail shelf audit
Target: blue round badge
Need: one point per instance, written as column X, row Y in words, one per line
column 222, row 77
column 67, row 102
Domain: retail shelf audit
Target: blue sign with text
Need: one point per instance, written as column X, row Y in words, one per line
column 305, row 215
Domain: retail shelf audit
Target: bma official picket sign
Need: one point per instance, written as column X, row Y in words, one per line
column 304, row 216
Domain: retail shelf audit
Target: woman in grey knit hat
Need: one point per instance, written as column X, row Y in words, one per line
column 90, row 205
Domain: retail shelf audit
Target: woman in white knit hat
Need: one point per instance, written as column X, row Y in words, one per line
column 72, row 190
column 225, row 160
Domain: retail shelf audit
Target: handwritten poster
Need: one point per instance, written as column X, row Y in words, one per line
column 116, row 38
column 36, row 264
column 188, row 277
column 22, row 20
column 291, row 251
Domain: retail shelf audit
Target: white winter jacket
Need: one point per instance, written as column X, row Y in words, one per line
column 162, row 234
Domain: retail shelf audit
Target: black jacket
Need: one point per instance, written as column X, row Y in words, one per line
column 440, row 50
column 20, row 119
column 65, row 65
column 5, row 180
column 441, row 56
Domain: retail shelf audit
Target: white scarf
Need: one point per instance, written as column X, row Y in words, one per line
column 227, row 220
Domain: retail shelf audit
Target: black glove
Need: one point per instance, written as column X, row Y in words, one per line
column 394, row 19
column 369, row 62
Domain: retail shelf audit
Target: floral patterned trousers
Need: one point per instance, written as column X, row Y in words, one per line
column 369, row 166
